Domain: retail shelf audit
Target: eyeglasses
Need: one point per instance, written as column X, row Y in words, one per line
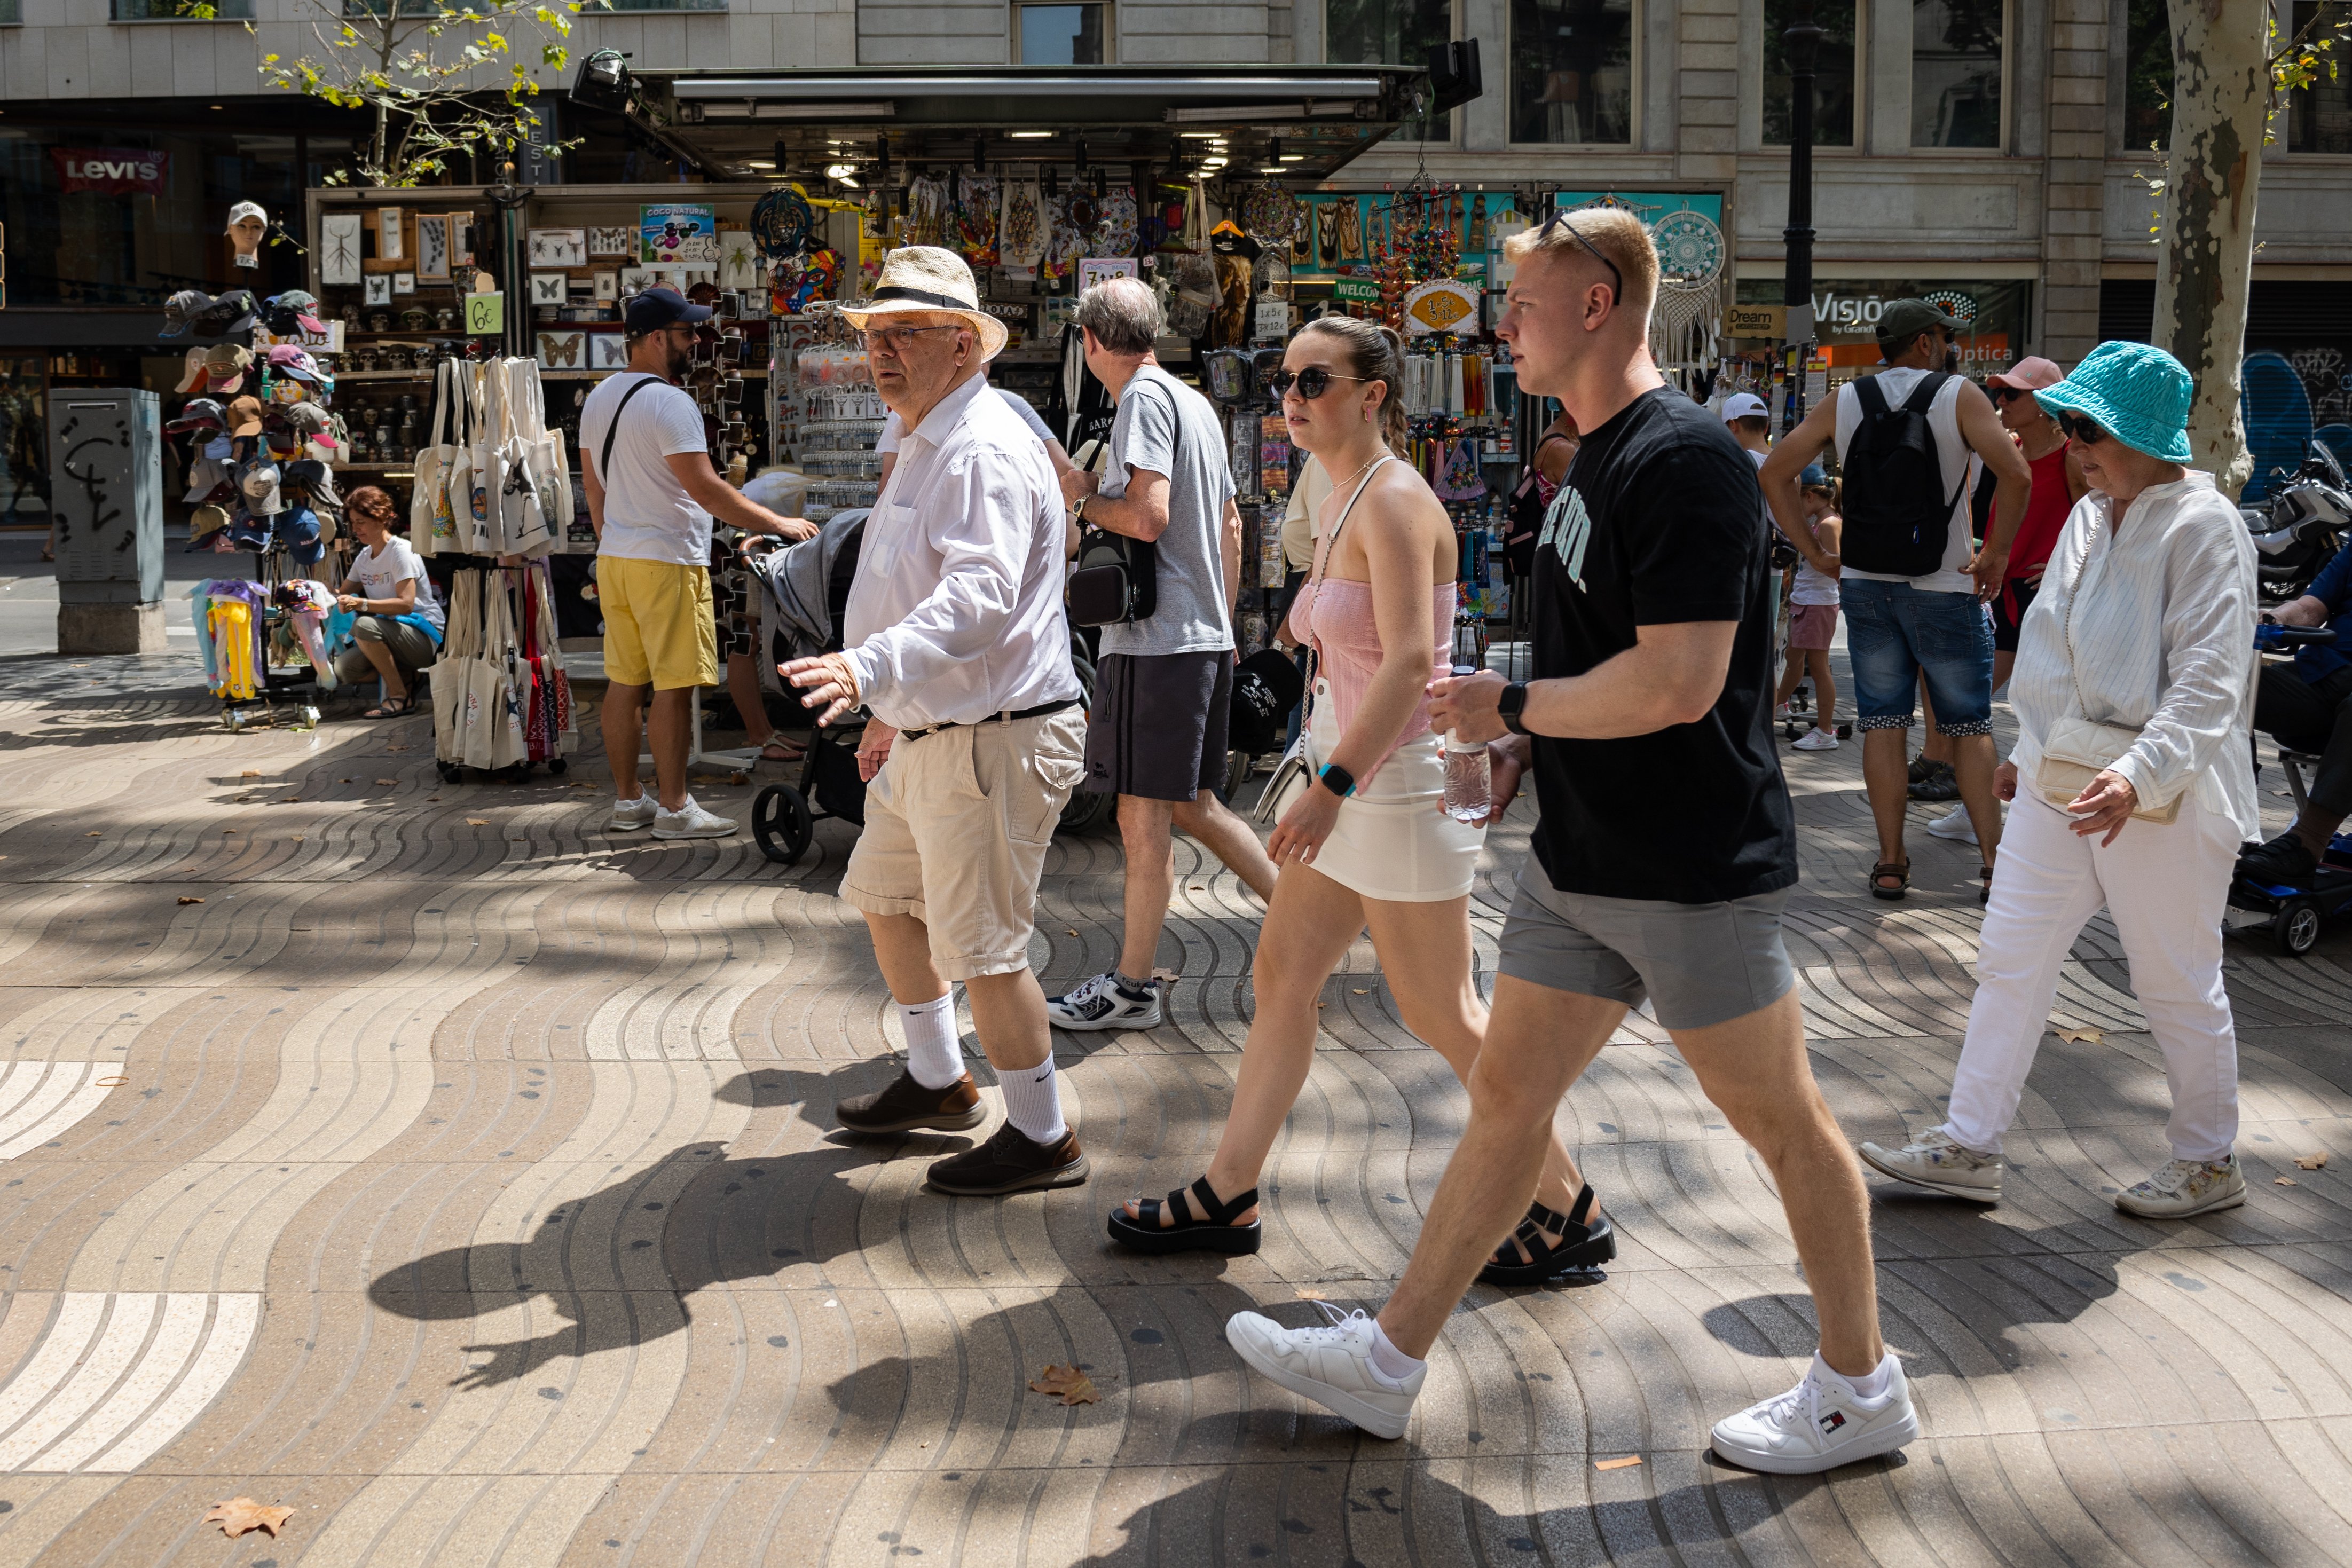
column 1312, row 383
column 896, row 339
column 1560, row 220
column 2077, row 428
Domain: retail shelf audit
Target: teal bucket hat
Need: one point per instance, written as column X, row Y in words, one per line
column 2135, row 391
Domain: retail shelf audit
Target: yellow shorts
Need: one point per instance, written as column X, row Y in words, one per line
column 658, row 627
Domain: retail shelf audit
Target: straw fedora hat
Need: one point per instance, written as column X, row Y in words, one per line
column 924, row 277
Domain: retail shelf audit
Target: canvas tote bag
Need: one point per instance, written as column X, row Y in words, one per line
column 429, row 527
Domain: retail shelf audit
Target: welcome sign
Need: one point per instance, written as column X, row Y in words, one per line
column 111, row 171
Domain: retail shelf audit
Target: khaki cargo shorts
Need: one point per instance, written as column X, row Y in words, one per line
column 956, row 828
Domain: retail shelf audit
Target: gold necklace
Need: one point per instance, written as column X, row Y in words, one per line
column 1360, row 472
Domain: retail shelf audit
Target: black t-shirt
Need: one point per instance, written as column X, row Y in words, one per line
column 1660, row 517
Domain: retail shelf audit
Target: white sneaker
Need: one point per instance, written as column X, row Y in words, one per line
column 1955, row 825
column 1331, row 1365
column 1933, row 1160
column 1099, row 1001
column 1820, row 1425
column 629, row 816
column 691, row 821
column 2184, row 1188
column 1816, row 740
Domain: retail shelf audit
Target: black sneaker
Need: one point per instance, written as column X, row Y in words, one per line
column 2284, row 862
column 1936, row 781
column 906, row 1105
column 1011, row 1162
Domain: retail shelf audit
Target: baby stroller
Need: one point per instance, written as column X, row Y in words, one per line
column 809, row 584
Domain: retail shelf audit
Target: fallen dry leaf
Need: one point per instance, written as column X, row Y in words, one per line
column 2081, row 1036
column 1194, row 887
column 1067, row 1383
column 389, row 783
column 395, row 748
column 432, row 798
column 1166, row 977
column 1309, row 1293
column 738, row 777
column 226, row 831
column 2312, row 1162
column 1072, row 930
column 1359, row 991
column 478, row 822
column 90, row 835
column 291, row 800
column 343, row 781
column 190, row 901
column 116, row 1081
column 2284, row 1181
column 240, row 1515
column 1617, row 1464
column 250, row 773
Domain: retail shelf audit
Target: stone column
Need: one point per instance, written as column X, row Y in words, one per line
column 2073, row 189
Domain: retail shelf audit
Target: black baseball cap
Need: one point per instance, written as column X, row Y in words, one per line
column 1905, row 318
column 655, row 309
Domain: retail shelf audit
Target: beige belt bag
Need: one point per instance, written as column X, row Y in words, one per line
column 2078, row 751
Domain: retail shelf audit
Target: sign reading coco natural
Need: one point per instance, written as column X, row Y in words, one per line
column 111, row 171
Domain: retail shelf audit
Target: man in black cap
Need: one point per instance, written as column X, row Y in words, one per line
column 1912, row 583
column 652, row 493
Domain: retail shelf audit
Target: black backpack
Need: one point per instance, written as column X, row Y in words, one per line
column 1897, row 517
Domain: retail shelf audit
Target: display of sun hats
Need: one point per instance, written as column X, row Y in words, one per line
column 224, row 366
column 293, row 359
column 256, row 481
column 180, row 310
column 193, row 309
column 297, row 530
column 306, row 416
column 2135, row 391
column 197, row 413
column 314, row 479
column 245, row 416
column 291, row 312
column 192, row 377
column 204, row 523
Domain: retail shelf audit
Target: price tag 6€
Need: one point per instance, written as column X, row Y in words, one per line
column 486, row 313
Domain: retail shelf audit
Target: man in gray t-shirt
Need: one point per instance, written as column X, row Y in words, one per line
column 1156, row 735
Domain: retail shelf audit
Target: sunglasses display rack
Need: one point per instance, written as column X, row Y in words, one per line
column 826, row 413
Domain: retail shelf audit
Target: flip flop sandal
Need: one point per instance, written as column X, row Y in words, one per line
column 394, row 707
column 789, row 751
column 1217, row 1233
column 1528, row 1258
column 1900, row 871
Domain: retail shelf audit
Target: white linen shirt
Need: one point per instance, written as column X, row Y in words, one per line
column 2163, row 637
column 956, row 611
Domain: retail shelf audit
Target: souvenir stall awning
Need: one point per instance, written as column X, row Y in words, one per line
column 1303, row 122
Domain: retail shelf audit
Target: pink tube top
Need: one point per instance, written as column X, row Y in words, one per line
column 1337, row 615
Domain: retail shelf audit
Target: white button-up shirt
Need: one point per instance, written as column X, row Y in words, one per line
column 956, row 611
column 2162, row 632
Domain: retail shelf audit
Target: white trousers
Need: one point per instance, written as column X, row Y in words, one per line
column 2166, row 885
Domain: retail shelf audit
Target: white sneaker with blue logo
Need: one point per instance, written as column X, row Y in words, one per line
column 1820, row 1425
column 1100, row 1001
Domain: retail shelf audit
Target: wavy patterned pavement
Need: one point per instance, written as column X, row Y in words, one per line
column 462, row 1179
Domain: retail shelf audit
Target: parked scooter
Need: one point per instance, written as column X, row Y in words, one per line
column 2301, row 525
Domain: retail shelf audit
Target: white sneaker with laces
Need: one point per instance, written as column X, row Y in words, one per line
column 629, row 816
column 1934, row 1159
column 1099, row 1001
column 2184, row 1188
column 1816, row 740
column 1332, row 1365
column 691, row 821
column 1820, row 1425
column 1955, row 825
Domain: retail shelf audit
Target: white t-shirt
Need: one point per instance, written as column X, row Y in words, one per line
column 647, row 514
column 1951, row 452
column 381, row 572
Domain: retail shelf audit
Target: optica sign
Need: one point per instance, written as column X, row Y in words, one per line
column 111, row 171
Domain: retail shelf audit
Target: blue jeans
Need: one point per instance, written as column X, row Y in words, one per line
column 1895, row 634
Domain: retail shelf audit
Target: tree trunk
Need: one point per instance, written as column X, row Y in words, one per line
column 2221, row 100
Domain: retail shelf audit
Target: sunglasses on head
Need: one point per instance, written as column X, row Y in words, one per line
column 1560, row 220
column 1312, row 383
column 2077, row 428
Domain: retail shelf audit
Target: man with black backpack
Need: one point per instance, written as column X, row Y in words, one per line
column 1913, row 583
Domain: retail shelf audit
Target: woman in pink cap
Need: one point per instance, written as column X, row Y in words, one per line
column 2057, row 484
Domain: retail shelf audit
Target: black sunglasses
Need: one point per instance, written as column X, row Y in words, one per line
column 2008, row 394
column 1560, row 220
column 2077, row 428
column 1312, row 383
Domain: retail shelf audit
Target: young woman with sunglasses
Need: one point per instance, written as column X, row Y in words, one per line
column 1367, row 845
column 2058, row 484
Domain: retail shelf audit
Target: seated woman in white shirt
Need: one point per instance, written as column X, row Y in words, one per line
column 2133, row 693
column 400, row 622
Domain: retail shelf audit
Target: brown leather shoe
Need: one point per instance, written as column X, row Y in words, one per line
column 906, row 1105
column 1010, row 1162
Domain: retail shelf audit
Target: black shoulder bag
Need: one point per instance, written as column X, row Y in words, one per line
column 1118, row 578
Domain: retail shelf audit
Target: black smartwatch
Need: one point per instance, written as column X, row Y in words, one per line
column 1508, row 706
column 1337, row 779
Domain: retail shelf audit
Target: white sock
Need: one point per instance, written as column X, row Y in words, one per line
column 1033, row 1101
column 934, row 1059
column 1874, row 1385
column 1388, row 1361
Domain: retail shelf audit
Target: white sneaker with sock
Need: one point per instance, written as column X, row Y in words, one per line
column 1105, row 1001
column 691, row 821
column 1816, row 740
column 1955, row 825
column 1821, row 1424
column 1331, row 1364
column 629, row 816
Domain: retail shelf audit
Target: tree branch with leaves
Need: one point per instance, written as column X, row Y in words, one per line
column 441, row 81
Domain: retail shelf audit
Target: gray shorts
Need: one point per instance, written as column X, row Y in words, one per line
column 1702, row 963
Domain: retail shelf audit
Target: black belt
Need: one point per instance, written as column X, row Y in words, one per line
column 1040, row 710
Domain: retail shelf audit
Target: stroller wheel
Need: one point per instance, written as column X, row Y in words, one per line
column 779, row 822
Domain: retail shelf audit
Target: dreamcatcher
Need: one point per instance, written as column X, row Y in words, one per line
column 1273, row 216
column 782, row 222
column 1693, row 286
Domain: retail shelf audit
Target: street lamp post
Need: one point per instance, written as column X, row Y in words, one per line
column 1801, row 45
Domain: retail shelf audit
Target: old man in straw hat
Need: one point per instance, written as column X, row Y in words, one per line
column 954, row 641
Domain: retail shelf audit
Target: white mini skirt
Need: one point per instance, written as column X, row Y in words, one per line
column 1394, row 840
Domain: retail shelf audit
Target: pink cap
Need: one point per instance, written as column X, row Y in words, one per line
column 2029, row 375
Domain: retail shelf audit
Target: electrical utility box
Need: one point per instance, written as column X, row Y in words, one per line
column 106, row 490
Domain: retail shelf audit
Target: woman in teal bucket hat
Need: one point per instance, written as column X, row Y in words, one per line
column 2134, row 695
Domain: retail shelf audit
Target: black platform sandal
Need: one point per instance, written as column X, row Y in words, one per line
column 1584, row 1242
column 1218, row 1233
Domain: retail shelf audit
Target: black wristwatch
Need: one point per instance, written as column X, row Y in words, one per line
column 1508, row 706
column 1337, row 779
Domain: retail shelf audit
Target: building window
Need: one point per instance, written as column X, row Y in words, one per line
column 12, row 14
column 1833, row 73
column 1062, row 34
column 1390, row 33
column 181, row 11
column 2148, row 76
column 1572, row 70
column 2319, row 117
column 1956, row 70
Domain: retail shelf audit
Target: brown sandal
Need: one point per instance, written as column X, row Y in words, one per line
column 1900, row 871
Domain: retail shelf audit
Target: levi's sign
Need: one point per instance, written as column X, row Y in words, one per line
column 111, row 171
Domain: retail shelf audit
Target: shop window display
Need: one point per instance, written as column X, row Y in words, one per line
column 1833, row 75
column 1389, row 32
column 1572, row 72
column 1956, row 71
column 24, row 442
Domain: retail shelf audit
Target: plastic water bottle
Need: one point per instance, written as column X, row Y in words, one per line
column 1469, row 778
